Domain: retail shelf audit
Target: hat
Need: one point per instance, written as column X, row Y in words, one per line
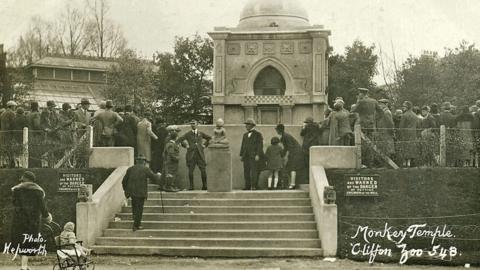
column 338, row 98
column 85, row 101
column 29, row 175
column 384, row 100
column 363, row 90
column 308, row 120
column 339, row 101
column 141, row 157
column 408, row 104
column 447, row 105
column 173, row 128
column 250, row 121
column 51, row 103
column 66, row 106
column 280, row 127
column 20, row 110
column 109, row 103
column 69, row 227
column 11, row 103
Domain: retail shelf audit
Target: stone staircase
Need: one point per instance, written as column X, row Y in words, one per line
column 202, row 224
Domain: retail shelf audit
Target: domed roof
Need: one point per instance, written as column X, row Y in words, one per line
column 283, row 14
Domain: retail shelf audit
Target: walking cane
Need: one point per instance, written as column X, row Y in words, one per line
column 161, row 192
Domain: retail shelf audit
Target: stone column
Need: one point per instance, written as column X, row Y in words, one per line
column 287, row 114
column 249, row 111
column 320, row 46
column 219, row 169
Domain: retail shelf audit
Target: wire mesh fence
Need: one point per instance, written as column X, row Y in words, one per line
column 451, row 147
column 67, row 148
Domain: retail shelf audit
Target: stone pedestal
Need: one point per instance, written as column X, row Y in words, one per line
column 219, row 168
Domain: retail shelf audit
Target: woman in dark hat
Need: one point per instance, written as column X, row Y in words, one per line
column 29, row 208
column 291, row 146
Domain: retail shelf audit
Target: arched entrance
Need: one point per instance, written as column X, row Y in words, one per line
column 269, row 82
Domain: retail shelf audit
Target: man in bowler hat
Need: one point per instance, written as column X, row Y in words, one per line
column 135, row 186
column 251, row 152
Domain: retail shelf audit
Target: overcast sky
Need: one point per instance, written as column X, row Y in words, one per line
column 151, row 25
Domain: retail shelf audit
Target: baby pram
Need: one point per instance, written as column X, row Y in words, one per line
column 68, row 257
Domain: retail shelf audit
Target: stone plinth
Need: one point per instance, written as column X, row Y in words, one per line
column 219, row 169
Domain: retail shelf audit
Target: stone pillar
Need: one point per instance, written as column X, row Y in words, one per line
column 219, row 169
column 287, row 114
column 218, row 112
column 318, row 111
column 249, row 111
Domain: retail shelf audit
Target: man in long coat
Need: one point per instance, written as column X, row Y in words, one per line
column 386, row 130
column 135, row 186
column 368, row 110
column 108, row 119
column 29, row 207
column 311, row 137
column 82, row 115
column 408, row 141
column 127, row 130
column 193, row 141
column 7, row 136
column 251, row 152
column 144, row 138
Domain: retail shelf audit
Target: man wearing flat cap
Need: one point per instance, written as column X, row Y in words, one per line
column 135, row 186
column 251, row 152
column 193, row 141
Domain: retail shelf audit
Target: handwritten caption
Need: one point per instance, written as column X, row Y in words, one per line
column 371, row 248
column 31, row 246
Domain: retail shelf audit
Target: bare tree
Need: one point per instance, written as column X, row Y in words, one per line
column 71, row 31
column 106, row 37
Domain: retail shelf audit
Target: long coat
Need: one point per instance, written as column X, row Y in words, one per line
column 144, row 139
column 81, row 118
column 29, row 207
column 195, row 146
column 385, row 133
column 135, row 181
column 252, row 145
column 274, row 156
column 127, row 131
column 463, row 142
column 408, row 143
column 311, row 136
column 295, row 154
column 339, row 128
column 368, row 110
column 172, row 156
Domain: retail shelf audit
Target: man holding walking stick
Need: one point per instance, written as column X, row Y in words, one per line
column 135, row 186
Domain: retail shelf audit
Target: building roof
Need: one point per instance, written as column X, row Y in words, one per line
column 73, row 63
column 281, row 14
column 62, row 92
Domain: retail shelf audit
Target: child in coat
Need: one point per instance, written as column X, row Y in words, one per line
column 274, row 155
column 68, row 237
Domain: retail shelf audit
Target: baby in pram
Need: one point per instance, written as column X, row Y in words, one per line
column 69, row 243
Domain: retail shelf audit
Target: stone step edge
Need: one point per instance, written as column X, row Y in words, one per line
column 228, row 199
column 221, row 214
column 225, row 207
column 206, row 239
column 220, row 222
column 198, row 247
column 185, row 230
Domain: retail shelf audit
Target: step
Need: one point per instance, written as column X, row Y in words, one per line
column 220, row 217
column 208, row 242
column 233, row 252
column 304, row 225
column 212, row 233
column 230, row 195
column 229, row 202
column 223, row 209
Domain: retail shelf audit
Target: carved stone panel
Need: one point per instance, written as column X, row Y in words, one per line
column 287, row 47
column 268, row 48
column 305, row 47
column 251, row 48
column 233, row 48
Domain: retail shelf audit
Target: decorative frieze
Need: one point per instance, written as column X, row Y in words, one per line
column 233, row 48
column 287, row 47
column 251, row 48
column 268, row 48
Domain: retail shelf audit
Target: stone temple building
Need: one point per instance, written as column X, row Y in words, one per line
column 272, row 67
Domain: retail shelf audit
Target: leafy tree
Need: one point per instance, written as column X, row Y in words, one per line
column 130, row 82
column 454, row 77
column 350, row 71
column 183, row 81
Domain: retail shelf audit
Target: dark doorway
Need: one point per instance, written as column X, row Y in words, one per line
column 269, row 82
